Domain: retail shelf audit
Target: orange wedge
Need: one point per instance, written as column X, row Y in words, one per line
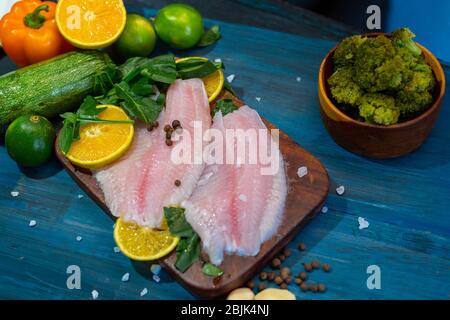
column 101, row 144
column 91, row 24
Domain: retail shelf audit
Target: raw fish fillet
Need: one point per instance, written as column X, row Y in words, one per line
column 141, row 184
column 236, row 207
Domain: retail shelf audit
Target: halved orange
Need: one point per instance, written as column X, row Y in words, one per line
column 101, row 144
column 213, row 82
column 91, row 24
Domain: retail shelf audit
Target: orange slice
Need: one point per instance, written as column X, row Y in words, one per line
column 91, row 24
column 101, row 144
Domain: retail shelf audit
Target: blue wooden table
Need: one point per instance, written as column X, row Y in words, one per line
column 405, row 200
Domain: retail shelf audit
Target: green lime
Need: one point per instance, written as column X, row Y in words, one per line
column 179, row 25
column 29, row 140
column 138, row 39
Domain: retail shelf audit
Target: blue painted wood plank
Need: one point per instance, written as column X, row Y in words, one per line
column 405, row 200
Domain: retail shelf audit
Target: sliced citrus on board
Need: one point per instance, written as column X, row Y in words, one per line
column 91, row 24
column 101, row 144
column 142, row 243
column 213, row 82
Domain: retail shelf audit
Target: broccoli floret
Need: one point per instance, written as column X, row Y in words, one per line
column 420, row 82
column 379, row 108
column 344, row 55
column 403, row 38
column 343, row 89
column 371, row 55
column 412, row 103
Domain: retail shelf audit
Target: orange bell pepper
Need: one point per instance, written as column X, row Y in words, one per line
column 29, row 33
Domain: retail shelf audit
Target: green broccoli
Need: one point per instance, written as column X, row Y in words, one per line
column 379, row 108
column 343, row 89
column 403, row 38
column 345, row 53
column 386, row 78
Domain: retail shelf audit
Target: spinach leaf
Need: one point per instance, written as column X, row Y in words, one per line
column 143, row 108
column 226, row 106
column 159, row 69
column 188, row 249
column 197, row 68
column 105, row 79
column 210, row 37
column 229, row 88
column 211, row 270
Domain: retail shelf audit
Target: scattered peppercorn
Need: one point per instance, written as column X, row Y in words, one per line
column 177, row 183
column 262, row 286
column 282, row 257
column 283, row 286
column 301, row 246
column 288, row 280
column 315, row 264
column 276, row 263
column 168, row 135
column 298, row 281
column 167, row 128
column 322, row 288
column 287, row 252
column 155, row 124
column 271, row 276
column 313, row 287
column 303, row 276
column 263, row 276
column 251, row 284
column 150, row 128
column 285, row 272
column 308, row 267
column 278, row 280
column 304, row 287
column 176, row 124
column 169, row 142
column 326, row 267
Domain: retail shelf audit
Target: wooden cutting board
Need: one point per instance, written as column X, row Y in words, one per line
column 305, row 198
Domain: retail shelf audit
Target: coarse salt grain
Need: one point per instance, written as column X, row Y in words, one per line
column 230, row 78
column 80, row 196
column 218, row 60
column 299, row 79
column 363, row 223
column 116, row 249
column 325, row 209
column 258, row 99
column 32, row 223
column 143, row 292
column 155, row 269
column 94, row 294
column 243, row 198
column 340, row 190
column 302, row 171
column 15, row 194
column 156, row 278
column 125, row 277
column 79, row 238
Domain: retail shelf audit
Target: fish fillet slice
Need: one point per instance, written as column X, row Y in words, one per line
column 236, row 208
column 138, row 187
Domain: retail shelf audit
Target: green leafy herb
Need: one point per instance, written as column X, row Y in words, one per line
column 197, row 68
column 211, row 270
column 87, row 113
column 188, row 249
column 229, row 88
column 226, row 106
column 105, row 79
column 210, row 37
column 159, row 69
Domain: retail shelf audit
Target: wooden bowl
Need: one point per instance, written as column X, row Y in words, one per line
column 374, row 141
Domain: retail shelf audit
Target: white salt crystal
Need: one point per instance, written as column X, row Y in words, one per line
column 143, row 292
column 258, row 99
column 230, row 78
column 363, row 223
column 15, row 194
column 125, row 277
column 243, row 198
column 299, row 79
column 155, row 269
column 116, row 249
column 156, row 278
column 32, row 223
column 340, row 190
column 94, row 294
column 80, row 196
column 302, row 171
column 79, row 238
column 325, row 209
column 218, row 60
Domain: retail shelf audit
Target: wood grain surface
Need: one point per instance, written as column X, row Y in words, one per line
column 305, row 198
column 405, row 200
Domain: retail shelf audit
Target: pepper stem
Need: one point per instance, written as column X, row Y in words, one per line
column 35, row 19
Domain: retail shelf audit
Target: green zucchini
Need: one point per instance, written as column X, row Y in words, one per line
column 51, row 87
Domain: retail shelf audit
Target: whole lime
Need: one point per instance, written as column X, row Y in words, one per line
column 29, row 140
column 179, row 25
column 138, row 39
